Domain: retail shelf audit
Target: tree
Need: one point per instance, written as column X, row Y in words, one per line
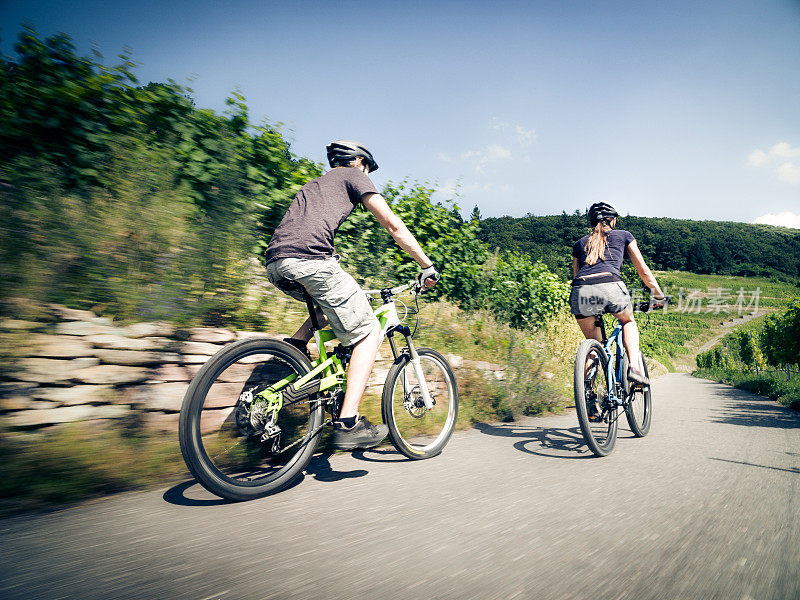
column 476, row 214
column 780, row 338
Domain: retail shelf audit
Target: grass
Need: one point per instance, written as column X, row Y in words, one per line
column 77, row 461
column 699, row 312
column 771, row 293
column 772, row 385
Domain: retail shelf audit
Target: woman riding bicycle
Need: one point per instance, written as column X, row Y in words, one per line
column 597, row 286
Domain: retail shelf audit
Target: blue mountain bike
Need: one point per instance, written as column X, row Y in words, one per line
column 602, row 387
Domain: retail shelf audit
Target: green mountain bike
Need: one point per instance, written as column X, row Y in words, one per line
column 253, row 415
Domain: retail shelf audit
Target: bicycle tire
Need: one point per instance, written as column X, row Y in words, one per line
column 224, row 456
column 414, row 431
column 591, row 401
column 639, row 407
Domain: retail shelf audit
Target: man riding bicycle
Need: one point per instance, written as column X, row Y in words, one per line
column 301, row 252
column 597, row 286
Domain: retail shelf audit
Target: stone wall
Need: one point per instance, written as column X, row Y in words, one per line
column 75, row 366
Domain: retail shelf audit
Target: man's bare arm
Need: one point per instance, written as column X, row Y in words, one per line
column 376, row 204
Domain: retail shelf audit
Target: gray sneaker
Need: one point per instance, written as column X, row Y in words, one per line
column 360, row 436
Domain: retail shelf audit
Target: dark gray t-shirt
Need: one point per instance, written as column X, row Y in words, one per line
column 319, row 208
column 611, row 262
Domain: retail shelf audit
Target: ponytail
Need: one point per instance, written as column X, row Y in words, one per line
column 597, row 243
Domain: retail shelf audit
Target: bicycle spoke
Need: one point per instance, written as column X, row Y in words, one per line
column 597, row 413
column 416, row 431
column 238, row 437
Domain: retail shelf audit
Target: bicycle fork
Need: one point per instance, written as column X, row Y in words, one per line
column 416, row 364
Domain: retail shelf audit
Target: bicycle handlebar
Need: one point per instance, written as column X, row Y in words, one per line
column 654, row 304
column 394, row 291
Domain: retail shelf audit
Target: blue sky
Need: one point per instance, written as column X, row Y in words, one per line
column 679, row 109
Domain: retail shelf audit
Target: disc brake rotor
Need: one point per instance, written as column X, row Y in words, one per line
column 414, row 403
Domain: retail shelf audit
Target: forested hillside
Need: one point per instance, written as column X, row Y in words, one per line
column 667, row 244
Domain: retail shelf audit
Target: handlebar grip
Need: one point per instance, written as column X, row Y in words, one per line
column 654, row 304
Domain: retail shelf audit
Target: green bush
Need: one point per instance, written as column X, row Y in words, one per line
column 519, row 292
column 128, row 198
column 781, row 336
column 522, row 294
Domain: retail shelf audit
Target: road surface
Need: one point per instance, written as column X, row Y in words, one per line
column 706, row 506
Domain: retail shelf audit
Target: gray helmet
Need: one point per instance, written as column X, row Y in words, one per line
column 341, row 152
column 601, row 211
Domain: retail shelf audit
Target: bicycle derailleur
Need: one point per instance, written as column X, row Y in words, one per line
column 258, row 418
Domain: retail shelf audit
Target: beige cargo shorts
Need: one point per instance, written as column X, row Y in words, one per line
column 343, row 302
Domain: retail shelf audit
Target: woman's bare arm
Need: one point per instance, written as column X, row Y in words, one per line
column 376, row 204
column 574, row 267
column 643, row 270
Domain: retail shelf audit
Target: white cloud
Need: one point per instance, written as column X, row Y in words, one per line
column 444, row 157
column 784, row 219
column 499, row 124
column 488, row 188
column 491, row 154
column 789, row 172
column 525, row 137
column 782, row 159
column 496, row 152
column 757, row 158
column 784, row 150
column 448, row 189
column 483, row 156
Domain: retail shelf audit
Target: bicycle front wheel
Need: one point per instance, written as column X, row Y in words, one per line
column 239, row 439
column 639, row 408
column 597, row 413
column 415, row 431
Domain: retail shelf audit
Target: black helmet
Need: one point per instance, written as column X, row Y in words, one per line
column 343, row 151
column 601, row 211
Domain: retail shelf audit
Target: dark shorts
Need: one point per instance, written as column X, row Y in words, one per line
column 599, row 298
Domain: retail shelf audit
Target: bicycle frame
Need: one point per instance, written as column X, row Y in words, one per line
column 614, row 369
column 328, row 372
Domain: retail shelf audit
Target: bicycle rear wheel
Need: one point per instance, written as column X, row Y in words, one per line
column 639, row 408
column 415, row 431
column 231, row 438
column 597, row 414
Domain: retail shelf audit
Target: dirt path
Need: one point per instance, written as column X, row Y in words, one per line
column 727, row 327
column 686, row 363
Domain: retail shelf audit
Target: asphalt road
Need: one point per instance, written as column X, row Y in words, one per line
column 707, row 506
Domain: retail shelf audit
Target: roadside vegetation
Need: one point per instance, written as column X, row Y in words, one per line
column 704, row 307
column 762, row 356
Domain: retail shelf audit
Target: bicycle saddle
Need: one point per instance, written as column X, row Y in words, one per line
column 287, row 285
